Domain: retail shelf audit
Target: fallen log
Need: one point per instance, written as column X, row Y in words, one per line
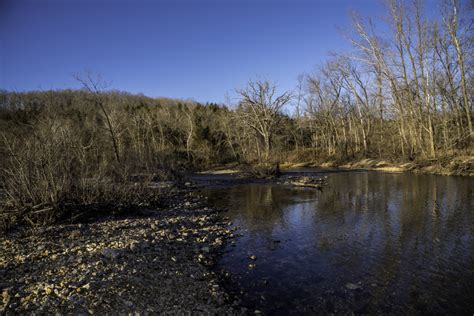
column 318, row 186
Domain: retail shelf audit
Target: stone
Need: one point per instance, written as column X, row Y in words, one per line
column 134, row 246
column 352, row 286
column 112, row 264
column 110, row 253
column 48, row 290
column 6, row 296
column 128, row 303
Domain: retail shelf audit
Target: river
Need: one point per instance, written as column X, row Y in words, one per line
column 370, row 242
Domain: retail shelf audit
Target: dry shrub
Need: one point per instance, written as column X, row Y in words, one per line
column 48, row 172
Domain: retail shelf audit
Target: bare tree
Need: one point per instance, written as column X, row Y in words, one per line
column 453, row 25
column 96, row 86
column 260, row 108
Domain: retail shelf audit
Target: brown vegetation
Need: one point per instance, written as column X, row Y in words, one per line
column 404, row 97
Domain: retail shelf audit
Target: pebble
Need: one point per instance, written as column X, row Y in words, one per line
column 352, row 286
column 102, row 266
column 110, row 253
column 134, row 246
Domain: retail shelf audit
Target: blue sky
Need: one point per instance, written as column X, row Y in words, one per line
column 181, row 49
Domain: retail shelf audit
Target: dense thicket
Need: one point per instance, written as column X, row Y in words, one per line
column 60, row 147
column 404, row 93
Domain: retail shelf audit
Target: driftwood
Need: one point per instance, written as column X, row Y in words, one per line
column 309, row 182
column 308, row 185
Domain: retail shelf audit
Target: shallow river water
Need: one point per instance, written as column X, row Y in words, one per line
column 370, row 242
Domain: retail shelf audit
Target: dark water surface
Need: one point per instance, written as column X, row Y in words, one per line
column 369, row 243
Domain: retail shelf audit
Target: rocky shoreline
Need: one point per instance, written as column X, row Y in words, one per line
column 159, row 263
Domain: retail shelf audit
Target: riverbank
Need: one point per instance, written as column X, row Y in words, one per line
column 462, row 166
column 160, row 261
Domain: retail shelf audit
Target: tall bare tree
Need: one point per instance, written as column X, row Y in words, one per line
column 260, row 108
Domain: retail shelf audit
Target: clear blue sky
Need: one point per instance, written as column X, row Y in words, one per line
column 181, row 49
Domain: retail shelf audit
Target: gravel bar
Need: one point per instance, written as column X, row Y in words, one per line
column 159, row 263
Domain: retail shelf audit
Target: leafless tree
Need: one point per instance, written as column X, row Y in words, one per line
column 260, row 108
column 95, row 85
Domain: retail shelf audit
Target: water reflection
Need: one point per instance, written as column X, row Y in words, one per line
column 369, row 243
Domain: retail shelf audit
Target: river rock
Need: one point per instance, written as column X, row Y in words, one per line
column 352, row 286
column 110, row 253
column 109, row 266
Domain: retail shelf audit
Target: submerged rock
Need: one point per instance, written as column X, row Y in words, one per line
column 352, row 286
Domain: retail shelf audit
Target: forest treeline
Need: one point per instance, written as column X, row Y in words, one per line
column 404, row 93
